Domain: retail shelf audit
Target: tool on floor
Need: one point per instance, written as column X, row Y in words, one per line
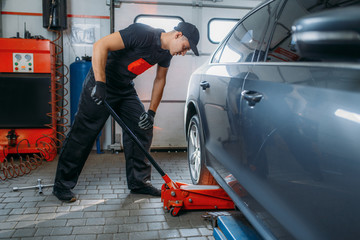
column 178, row 196
column 39, row 186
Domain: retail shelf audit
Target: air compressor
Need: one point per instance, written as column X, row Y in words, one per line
column 28, row 97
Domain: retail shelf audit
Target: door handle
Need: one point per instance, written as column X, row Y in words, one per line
column 252, row 97
column 204, row 85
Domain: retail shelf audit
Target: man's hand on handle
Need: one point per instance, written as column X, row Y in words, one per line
column 98, row 93
column 147, row 120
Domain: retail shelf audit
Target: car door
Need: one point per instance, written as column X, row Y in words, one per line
column 302, row 136
column 222, row 85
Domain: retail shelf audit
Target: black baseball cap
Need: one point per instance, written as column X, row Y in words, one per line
column 191, row 32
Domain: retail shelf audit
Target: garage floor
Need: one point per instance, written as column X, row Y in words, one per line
column 105, row 209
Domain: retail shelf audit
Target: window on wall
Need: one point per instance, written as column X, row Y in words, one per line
column 218, row 28
column 157, row 21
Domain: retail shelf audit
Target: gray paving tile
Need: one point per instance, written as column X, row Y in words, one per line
column 86, row 237
column 88, row 230
column 23, row 217
column 142, row 212
column 109, row 214
column 31, row 210
column 105, row 236
column 206, row 231
column 13, row 205
column 92, row 214
column 189, row 232
column 90, row 208
column 59, row 238
column 197, row 238
column 52, row 223
column 76, row 222
column 43, row 231
column 169, row 234
column 136, row 227
column 155, row 226
column 6, row 234
column 26, row 224
column 108, row 196
column 11, row 200
column 111, row 228
column 69, row 215
column 95, row 221
column 24, row 232
column 121, row 236
column 144, row 235
column 122, row 213
column 47, row 209
column 11, row 194
column 108, row 207
column 132, row 219
column 114, row 220
column 77, row 208
column 46, row 216
column 153, row 218
column 5, row 211
column 61, row 231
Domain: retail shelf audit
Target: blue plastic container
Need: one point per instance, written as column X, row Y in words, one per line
column 78, row 71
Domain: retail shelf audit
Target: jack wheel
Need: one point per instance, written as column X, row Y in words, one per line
column 174, row 212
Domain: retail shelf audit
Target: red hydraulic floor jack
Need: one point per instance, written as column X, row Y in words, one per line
column 178, row 196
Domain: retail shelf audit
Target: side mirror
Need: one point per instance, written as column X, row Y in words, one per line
column 332, row 35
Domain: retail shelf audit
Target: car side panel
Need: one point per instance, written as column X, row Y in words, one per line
column 302, row 142
column 215, row 103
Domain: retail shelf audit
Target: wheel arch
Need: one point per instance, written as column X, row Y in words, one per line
column 191, row 110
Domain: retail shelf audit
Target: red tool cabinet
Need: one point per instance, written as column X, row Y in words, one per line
column 27, row 97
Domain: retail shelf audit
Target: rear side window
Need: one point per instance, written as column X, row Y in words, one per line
column 158, row 21
column 281, row 48
column 218, row 28
column 244, row 41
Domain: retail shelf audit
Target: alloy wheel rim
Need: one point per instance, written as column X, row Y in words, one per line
column 195, row 152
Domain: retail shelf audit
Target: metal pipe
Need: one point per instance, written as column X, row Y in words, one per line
column 112, row 8
column 194, row 4
column 112, row 29
column 62, row 81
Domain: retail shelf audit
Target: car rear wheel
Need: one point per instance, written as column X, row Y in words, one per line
column 196, row 158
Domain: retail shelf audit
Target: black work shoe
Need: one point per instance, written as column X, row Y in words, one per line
column 149, row 190
column 64, row 195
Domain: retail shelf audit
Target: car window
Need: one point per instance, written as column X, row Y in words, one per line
column 281, row 48
column 244, row 41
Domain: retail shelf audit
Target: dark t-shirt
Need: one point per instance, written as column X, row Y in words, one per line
column 142, row 51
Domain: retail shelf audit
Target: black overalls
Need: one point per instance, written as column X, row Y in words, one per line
column 142, row 50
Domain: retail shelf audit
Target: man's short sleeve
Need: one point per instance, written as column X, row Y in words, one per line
column 166, row 62
column 135, row 35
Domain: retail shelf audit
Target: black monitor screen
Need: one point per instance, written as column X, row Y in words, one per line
column 24, row 100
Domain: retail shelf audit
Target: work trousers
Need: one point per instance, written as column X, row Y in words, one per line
column 89, row 120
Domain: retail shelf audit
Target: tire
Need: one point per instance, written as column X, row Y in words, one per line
column 198, row 172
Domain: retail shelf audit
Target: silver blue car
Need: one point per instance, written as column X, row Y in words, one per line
column 274, row 119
